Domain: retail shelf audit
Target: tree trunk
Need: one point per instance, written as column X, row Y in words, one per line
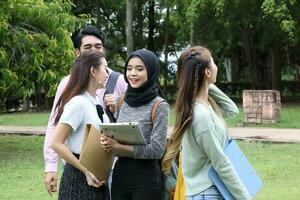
column 276, row 67
column 139, row 28
column 297, row 74
column 26, row 104
column 166, row 52
column 250, row 57
column 129, row 25
column 98, row 15
column 258, row 73
column 228, row 67
column 46, row 103
column 151, row 25
column 192, row 37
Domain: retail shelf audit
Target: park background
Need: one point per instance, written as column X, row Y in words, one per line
column 255, row 44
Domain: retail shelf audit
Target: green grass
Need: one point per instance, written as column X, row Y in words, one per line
column 24, row 119
column 289, row 118
column 278, row 167
column 172, row 116
column 22, row 168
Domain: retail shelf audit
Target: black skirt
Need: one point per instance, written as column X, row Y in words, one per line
column 136, row 179
column 73, row 185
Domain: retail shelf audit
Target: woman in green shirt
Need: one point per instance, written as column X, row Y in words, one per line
column 200, row 130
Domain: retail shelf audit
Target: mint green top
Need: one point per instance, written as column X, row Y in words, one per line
column 203, row 144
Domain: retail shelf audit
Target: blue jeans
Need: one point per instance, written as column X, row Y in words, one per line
column 212, row 193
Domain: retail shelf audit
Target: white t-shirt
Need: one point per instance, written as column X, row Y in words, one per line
column 78, row 112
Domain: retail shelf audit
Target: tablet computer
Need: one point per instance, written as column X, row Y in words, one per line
column 125, row 133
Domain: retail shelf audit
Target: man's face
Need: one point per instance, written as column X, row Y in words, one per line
column 90, row 42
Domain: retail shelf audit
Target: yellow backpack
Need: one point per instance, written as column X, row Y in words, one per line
column 180, row 186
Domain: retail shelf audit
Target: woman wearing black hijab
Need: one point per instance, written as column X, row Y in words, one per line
column 137, row 173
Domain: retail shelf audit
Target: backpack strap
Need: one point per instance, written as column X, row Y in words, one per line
column 120, row 102
column 111, row 82
column 154, row 109
column 110, row 87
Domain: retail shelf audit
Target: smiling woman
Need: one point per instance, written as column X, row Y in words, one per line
column 137, row 172
column 136, row 72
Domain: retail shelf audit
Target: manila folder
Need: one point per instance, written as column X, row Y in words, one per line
column 93, row 156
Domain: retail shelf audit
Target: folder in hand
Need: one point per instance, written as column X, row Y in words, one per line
column 245, row 171
column 125, row 132
column 93, row 156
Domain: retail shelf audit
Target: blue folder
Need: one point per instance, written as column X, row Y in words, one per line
column 243, row 168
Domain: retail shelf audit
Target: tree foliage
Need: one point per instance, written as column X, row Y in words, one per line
column 260, row 38
column 255, row 34
column 36, row 48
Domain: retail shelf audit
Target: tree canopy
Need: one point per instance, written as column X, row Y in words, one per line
column 36, row 48
column 259, row 40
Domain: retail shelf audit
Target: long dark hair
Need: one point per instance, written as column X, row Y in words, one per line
column 191, row 67
column 79, row 78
